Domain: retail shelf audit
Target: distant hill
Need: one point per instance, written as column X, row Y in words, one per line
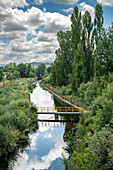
column 35, row 64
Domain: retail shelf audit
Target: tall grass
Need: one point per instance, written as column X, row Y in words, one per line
column 16, row 115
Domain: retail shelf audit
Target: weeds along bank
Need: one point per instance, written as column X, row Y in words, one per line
column 92, row 145
column 17, row 116
column 94, row 139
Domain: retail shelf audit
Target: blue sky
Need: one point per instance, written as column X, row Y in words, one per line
column 28, row 28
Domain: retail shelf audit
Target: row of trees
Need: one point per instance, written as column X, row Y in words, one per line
column 84, row 52
column 85, row 60
column 22, row 70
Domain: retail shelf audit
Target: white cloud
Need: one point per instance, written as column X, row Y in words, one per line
column 83, row 7
column 38, row 2
column 106, row 2
column 72, row 2
column 68, row 10
column 17, row 25
column 24, row 162
column 56, row 22
column 65, row 1
column 47, row 136
column 13, row 3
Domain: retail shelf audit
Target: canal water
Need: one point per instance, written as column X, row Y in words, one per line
column 47, row 142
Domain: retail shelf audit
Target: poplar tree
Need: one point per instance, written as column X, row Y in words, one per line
column 98, row 23
column 76, row 27
column 86, row 39
column 79, row 67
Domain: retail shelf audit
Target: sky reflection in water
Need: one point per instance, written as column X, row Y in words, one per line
column 47, row 143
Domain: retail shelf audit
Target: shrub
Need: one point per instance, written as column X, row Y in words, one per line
column 68, row 91
column 101, row 147
column 81, row 131
column 4, row 100
column 23, row 103
column 23, row 123
column 31, row 86
column 88, row 121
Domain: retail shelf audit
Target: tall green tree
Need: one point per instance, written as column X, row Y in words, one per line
column 76, row 27
column 40, row 70
column 65, row 54
column 1, row 73
column 88, row 49
column 98, row 23
column 103, row 63
column 64, row 59
column 22, row 69
column 78, row 67
column 28, row 69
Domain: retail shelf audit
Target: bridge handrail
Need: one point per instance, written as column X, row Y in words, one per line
column 59, row 109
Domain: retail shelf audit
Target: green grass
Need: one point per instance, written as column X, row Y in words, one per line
column 17, row 116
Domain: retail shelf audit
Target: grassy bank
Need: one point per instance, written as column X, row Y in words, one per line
column 92, row 148
column 17, row 116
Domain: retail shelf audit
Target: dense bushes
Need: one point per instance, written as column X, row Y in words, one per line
column 101, row 147
column 94, row 148
column 16, row 115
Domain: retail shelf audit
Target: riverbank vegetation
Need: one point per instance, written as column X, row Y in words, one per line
column 83, row 69
column 17, row 116
column 14, row 71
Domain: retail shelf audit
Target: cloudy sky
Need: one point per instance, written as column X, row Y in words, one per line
column 28, row 28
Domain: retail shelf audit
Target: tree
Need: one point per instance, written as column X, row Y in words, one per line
column 98, row 23
column 15, row 74
column 76, row 27
column 1, row 73
column 10, row 67
column 103, row 61
column 78, row 68
column 22, row 69
column 31, row 74
column 40, row 70
column 28, row 69
column 88, row 49
column 98, row 20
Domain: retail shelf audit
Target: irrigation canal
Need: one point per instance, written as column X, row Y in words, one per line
column 46, row 144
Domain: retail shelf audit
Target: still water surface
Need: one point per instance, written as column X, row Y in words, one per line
column 46, row 146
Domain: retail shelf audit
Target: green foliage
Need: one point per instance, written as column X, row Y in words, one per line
column 63, row 63
column 103, row 61
column 40, row 70
column 78, row 68
column 102, row 107
column 31, row 74
column 101, row 146
column 15, row 75
column 1, row 74
column 23, row 103
column 16, row 115
column 65, row 90
column 47, row 79
column 31, row 86
column 22, row 69
column 4, row 100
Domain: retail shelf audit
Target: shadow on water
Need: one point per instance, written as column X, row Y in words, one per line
column 12, row 156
